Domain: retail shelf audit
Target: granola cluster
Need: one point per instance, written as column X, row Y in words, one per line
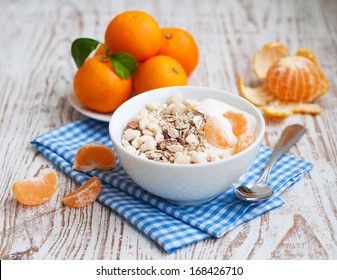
column 172, row 132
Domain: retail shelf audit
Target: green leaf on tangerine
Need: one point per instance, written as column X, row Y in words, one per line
column 81, row 48
column 124, row 64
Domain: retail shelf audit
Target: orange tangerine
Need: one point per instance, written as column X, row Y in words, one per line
column 98, row 87
column 157, row 72
column 36, row 190
column 295, row 79
column 134, row 32
column 94, row 156
column 180, row 45
column 85, row 194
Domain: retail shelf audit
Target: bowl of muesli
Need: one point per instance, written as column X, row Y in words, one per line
column 186, row 144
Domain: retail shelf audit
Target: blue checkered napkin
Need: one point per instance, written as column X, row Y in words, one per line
column 172, row 227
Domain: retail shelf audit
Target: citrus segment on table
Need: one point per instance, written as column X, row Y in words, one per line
column 94, row 156
column 98, row 87
column 134, row 32
column 85, row 194
column 157, row 72
column 36, row 190
column 180, row 45
column 267, row 56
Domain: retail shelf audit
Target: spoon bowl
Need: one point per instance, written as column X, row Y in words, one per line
column 257, row 190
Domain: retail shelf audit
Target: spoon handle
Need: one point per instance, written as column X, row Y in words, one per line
column 289, row 137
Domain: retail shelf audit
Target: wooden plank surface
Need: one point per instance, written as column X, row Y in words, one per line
column 36, row 72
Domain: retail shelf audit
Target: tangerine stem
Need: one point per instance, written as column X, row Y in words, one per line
column 107, row 50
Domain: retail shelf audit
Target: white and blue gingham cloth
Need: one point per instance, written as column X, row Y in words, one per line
column 172, row 227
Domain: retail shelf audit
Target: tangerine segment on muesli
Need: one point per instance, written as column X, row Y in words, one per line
column 183, row 131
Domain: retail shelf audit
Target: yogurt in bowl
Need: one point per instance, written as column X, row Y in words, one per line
column 195, row 178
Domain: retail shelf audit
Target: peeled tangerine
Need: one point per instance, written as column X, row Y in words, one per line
column 36, row 190
column 290, row 83
column 94, row 156
column 295, row 79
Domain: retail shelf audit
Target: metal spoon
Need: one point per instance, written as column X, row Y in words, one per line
column 260, row 190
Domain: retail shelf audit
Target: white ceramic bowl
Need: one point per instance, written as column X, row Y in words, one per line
column 184, row 184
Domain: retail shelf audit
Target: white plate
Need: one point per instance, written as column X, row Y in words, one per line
column 105, row 117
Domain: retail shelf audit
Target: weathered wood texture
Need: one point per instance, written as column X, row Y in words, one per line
column 36, row 73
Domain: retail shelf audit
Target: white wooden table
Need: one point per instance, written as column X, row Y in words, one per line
column 36, row 72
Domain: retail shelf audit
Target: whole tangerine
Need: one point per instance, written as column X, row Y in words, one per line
column 98, row 87
column 180, row 45
column 134, row 32
column 157, row 72
column 296, row 79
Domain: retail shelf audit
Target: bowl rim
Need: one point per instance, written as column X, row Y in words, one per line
column 257, row 141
